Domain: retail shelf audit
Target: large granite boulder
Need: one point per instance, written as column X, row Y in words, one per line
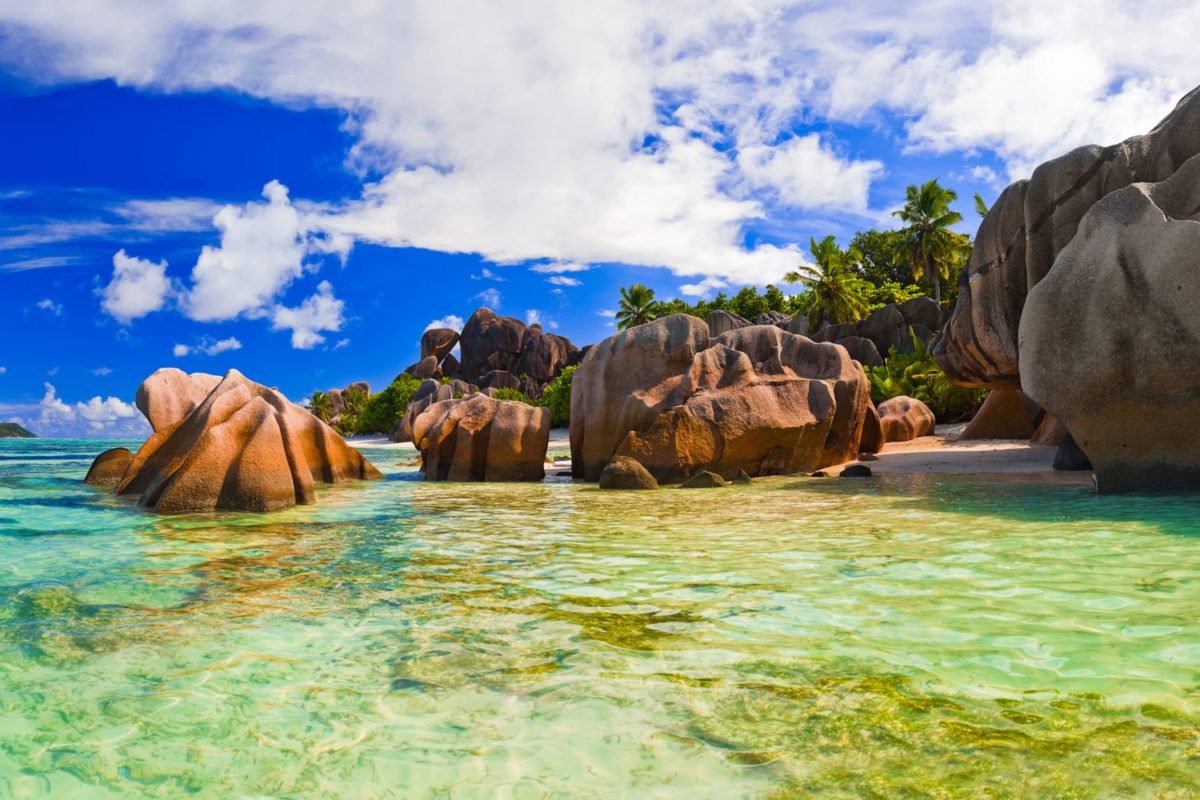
column 836, row 332
column 1005, row 414
column 489, row 342
column 477, row 438
column 243, row 447
column 543, row 355
column 861, row 350
column 426, row 368
column 362, row 387
column 170, row 394
column 109, row 467
column 1030, row 225
column 724, row 321
column 776, row 318
column 905, row 418
column 438, row 342
column 923, row 312
column 429, row 392
column 798, row 325
column 886, row 328
column 499, row 379
column 679, row 401
column 337, row 403
column 1108, row 339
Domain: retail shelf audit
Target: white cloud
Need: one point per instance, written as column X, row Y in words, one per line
column 452, row 321
column 320, row 312
column 702, row 288
column 168, row 215
column 49, row 305
column 629, row 132
column 533, row 317
column 490, row 298
column 341, row 343
column 102, row 371
column 3, row 370
column 138, row 287
column 52, row 371
column 207, row 346
column 488, row 275
column 101, row 417
column 563, row 280
column 560, row 266
column 804, row 172
column 42, row 262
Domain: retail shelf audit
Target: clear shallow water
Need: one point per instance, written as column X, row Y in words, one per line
column 902, row 637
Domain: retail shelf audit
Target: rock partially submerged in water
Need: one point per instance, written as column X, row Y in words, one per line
column 478, row 438
column 677, row 400
column 170, row 394
column 109, row 467
column 243, row 447
column 1125, row 384
column 625, row 473
column 905, row 418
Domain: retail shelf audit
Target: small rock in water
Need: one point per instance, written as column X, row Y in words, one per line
column 703, row 480
column 742, row 477
column 857, row 471
column 819, row 474
column 623, row 472
column 109, row 467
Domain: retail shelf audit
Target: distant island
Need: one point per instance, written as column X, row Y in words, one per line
column 11, row 430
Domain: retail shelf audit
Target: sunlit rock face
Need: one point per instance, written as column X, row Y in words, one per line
column 679, row 401
column 477, row 438
column 1108, row 340
column 1030, row 225
column 241, row 447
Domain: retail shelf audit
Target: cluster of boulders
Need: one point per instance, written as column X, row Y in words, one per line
column 496, row 353
column 226, row 444
column 679, row 401
column 337, row 399
column 479, row 438
column 1082, row 292
column 868, row 341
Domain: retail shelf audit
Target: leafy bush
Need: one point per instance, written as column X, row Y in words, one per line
column 557, row 397
column 382, row 411
column 512, row 395
column 917, row 375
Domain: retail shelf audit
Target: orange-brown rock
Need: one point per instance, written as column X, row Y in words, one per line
column 244, row 447
column 625, row 473
column 872, row 439
column 1005, row 414
column 756, row 398
column 905, row 418
column 109, row 467
column 170, row 394
column 477, row 438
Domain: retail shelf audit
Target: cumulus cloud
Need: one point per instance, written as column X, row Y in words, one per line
column 629, row 132
column 556, row 267
column 207, row 347
column 97, row 417
column 563, row 280
column 452, row 321
column 320, row 312
column 49, row 305
column 138, row 287
column 490, row 298
column 262, row 251
column 488, row 275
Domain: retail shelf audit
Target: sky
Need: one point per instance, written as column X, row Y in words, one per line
column 298, row 189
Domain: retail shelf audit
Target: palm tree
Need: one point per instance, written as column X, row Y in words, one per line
column 927, row 242
column 980, row 207
column 354, row 399
column 637, row 307
column 320, row 406
column 838, row 293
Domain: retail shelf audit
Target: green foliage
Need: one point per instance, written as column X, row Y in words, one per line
column 557, row 397
column 748, row 303
column 637, row 307
column 981, row 207
column 512, row 395
column 916, row 374
column 380, row 412
column 882, row 295
column 927, row 242
column 839, row 294
column 11, row 430
column 878, row 262
column 320, row 406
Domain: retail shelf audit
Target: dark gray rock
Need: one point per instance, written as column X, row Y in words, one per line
column 626, row 473
column 703, row 480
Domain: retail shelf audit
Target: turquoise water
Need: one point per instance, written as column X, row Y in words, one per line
column 900, row 637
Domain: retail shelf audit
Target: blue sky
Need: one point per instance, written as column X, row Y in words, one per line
column 298, row 190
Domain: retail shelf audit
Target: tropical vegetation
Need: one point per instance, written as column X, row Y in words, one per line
column 557, row 397
column 637, row 306
column 917, row 374
column 381, row 411
column 927, row 241
column 838, row 292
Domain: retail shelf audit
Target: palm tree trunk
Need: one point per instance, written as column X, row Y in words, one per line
column 936, row 279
